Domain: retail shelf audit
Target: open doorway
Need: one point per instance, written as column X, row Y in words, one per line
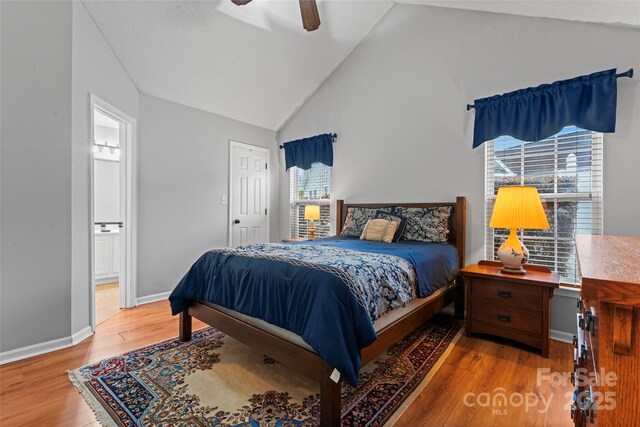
column 108, row 214
column 112, row 243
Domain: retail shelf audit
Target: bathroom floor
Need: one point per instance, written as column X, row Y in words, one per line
column 107, row 301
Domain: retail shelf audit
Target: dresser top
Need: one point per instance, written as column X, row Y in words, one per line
column 610, row 267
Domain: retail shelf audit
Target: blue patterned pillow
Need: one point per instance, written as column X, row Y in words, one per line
column 356, row 220
column 401, row 220
column 426, row 224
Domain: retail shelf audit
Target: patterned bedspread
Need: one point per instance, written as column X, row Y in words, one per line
column 379, row 282
column 327, row 295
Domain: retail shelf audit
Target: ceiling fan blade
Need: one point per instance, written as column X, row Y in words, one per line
column 240, row 2
column 310, row 16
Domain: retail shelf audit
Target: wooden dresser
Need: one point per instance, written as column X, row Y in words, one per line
column 607, row 342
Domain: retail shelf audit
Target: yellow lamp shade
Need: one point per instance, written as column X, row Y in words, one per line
column 518, row 207
column 312, row 212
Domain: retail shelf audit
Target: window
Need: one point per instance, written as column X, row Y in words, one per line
column 312, row 186
column 567, row 171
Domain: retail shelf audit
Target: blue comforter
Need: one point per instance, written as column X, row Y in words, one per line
column 330, row 310
column 436, row 264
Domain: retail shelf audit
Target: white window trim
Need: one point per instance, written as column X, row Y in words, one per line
column 596, row 197
column 299, row 202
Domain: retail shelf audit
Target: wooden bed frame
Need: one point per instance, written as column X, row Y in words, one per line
column 310, row 363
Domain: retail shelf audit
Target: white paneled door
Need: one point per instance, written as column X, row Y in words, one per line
column 248, row 199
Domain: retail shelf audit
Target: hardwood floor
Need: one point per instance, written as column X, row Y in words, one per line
column 107, row 301
column 36, row 391
column 477, row 366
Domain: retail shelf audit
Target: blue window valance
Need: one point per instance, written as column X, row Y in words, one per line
column 588, row 102
column 304, row 152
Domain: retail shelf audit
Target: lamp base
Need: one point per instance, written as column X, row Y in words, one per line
column 513, row 254
column 513, row 270
column 312, row 231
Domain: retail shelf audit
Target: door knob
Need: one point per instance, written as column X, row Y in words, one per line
column 237, row 221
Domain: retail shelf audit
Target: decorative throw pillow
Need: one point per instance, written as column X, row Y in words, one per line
column 426, row 224
column 356, row 220
column 379, row 230
column 401, row 220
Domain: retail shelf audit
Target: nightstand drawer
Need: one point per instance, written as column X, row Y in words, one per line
column 508, row 305
column 507, row 317
column 506, row 293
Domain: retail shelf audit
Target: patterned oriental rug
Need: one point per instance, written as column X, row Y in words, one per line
column 215, row 380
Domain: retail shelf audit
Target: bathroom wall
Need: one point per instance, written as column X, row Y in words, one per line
column 106, row 190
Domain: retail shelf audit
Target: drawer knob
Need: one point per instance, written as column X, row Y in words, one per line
column 573, row 411
column 504, row 318
column 581, row 321
column 504, row 294
column 584, row 353
column 589, row 321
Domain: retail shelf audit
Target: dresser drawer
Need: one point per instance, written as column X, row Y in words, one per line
column 507, row 317
column 506, row 293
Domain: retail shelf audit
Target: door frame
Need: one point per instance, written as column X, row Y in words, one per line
column 232, row 144
column 128, row 171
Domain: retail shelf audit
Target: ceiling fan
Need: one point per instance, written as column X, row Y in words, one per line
column 308, row 9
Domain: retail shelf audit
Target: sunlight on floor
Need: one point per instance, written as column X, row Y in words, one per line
column 107, row 301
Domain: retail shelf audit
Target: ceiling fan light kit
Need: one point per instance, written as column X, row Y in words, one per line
column 308, row 10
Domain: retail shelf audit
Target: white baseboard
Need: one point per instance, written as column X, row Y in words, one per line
column 107, row 280
column 567, row 292
column 60, row 343
column 562, row 336
column 152, row 298
column 81, row 335
column 44, row 347
column 35, row 350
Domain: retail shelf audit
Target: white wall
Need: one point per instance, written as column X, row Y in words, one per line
column 95, row 70
column 53, row 57
column 35, row 173
column 106, row 194
column 398, row 106
column 183, row 172
column 105, row 134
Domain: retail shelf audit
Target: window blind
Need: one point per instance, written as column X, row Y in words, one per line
column 566, row 168
column 311, row 186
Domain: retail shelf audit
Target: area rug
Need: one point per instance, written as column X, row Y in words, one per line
column 215, row 380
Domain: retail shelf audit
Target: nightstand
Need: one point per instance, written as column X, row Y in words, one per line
column 295, row 239
column 511, row 306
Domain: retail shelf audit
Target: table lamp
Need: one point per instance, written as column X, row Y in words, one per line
column 517, row 207
column 312, row 212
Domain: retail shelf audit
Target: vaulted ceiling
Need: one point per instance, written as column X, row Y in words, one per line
column 255, row 63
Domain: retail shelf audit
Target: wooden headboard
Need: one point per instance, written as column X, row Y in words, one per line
column 457, row 221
